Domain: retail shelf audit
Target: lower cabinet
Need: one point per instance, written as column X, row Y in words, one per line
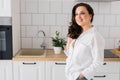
column 32, row 70
column 29, row 70
column 106, row 76
column 55, row 70
column 6, row 70
column 108, row 71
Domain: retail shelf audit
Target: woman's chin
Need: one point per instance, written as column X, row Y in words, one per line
column 80, row 24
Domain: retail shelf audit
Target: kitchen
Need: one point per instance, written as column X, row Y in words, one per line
column 30, row 16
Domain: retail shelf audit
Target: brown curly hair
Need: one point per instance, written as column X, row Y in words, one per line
column 75, row 30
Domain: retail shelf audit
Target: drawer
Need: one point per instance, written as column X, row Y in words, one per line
column 102, row 76
column 109, row 67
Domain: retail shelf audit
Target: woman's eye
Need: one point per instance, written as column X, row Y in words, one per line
column 76, row 14
column 82, row 13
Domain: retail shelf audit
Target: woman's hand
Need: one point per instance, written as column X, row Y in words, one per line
column 69, row 40
column 81, row 76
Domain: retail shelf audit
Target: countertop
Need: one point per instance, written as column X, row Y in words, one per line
column 50, row 56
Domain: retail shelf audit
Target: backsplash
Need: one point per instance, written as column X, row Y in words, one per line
column 52, row 15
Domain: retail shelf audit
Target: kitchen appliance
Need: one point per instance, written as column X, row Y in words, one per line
column 108, row 53
column 5, row 38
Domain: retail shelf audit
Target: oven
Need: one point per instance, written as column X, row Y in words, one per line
column 5, row 39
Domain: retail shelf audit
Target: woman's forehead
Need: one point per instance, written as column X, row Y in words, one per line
column 81, row 8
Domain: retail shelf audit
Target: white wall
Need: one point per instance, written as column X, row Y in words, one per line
column 52, row 15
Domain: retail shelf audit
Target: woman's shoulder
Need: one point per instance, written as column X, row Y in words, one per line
column 98, row 36
column 96, row 33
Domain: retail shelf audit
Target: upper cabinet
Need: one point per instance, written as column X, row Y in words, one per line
column 5, row 8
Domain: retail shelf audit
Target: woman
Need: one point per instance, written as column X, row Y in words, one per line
column 85, row 46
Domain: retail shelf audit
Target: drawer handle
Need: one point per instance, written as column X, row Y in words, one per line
column 60, row 63
column 104, row 63
column 101, row 76
column 29, row 63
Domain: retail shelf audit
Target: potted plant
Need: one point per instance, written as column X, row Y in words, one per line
column 58, row 43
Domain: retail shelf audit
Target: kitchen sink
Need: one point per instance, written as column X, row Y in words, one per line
column 32, row 52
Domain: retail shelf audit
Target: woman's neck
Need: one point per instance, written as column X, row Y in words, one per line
column 86, row 27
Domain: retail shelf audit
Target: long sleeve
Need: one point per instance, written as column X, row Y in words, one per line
column 87, row 55
column 97, row 55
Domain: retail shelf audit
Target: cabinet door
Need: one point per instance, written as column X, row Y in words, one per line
column 5, row 8
column 6, row 70
column 55, row 70
column 28, row 70
column 102, row 76
column 109, row 67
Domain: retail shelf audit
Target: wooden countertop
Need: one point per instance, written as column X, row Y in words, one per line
column 50, row 56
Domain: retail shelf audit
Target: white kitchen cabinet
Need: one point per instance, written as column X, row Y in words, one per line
column 11, row 9
column 55, row 70
column 6, row 70
column 105, row 76
column 109, row 67
column 15, row 25
column 29, row 70
column 5, row 8
column 108, row 71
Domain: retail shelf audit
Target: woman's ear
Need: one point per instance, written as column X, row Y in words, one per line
column 90, row 17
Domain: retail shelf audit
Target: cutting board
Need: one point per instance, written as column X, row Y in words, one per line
column 116, row 51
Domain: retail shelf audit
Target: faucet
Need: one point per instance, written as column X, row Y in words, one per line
column 43, row 45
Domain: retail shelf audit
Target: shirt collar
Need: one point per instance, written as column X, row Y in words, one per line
column 87, row 31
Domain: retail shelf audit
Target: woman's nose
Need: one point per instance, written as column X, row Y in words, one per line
column 79, row 15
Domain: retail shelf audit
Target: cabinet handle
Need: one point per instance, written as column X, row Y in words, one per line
column 60, row 63
column 100, row 76
column 29, row 63
column 104, row 63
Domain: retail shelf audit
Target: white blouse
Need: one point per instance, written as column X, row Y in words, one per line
column 85, row 55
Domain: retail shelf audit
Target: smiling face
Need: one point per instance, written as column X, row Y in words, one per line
column 82, row 17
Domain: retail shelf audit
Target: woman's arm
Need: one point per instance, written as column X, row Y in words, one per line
column 69, row 40
column 97, row 50
column 69, row 48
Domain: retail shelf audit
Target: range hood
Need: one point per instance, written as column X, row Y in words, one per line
column 95, row 0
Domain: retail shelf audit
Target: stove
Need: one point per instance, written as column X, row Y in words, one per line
column 109, row 54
